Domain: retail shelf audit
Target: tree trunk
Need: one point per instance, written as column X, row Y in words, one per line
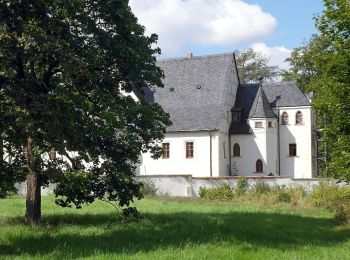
column 33, row 200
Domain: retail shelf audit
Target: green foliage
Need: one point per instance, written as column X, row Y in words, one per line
column 222, row 192
column 253, row 65
column 330, row 195
column 283, row 195
column 148, row 188
column 242, row 230
column 242, row 185
column 64, row 67
column 322, row 66
column 131, row 213
column 261, row 187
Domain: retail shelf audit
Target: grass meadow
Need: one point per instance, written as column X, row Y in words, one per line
column 173, row 229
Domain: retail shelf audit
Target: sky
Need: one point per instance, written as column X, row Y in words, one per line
column 204, row 27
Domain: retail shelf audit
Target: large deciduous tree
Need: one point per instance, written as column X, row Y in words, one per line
column 323, row 66
column 253, row 65
column 65, row 67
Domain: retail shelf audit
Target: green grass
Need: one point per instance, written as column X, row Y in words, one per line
column 173, row 229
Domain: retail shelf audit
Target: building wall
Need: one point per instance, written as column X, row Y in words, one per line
column 299, row 166
column 260, row 144
column 178, row 164
column 263, row 144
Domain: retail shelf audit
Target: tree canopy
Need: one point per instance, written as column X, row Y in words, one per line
column 64, row 66
column 253, row 65
column 322, row 65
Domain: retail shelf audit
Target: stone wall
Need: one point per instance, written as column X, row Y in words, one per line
column 187, row 186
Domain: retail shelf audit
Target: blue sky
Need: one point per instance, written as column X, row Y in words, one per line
column 203, row 27
column 294, row 18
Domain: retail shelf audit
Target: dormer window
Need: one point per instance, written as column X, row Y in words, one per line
column 236, row 115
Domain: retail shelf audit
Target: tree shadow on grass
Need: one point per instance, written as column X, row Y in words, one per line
column 84, row 235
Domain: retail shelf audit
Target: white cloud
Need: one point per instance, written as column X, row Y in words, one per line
column 277, row 54
column 203, row 22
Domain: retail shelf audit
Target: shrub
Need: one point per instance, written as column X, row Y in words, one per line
column 342, row 214
column 148, row 188
column 262, row 188
column 282, row 195
column 242, row 185
column 222, row 192
column 329, row 195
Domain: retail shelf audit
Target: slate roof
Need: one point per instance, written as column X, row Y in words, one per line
column 194, row 90
column 281, row 94
column 261, row 107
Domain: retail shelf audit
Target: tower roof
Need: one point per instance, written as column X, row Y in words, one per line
column 261, row 107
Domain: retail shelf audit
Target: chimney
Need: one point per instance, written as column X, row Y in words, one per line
column 189, row 55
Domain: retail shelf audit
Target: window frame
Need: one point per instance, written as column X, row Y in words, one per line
column 236, row 150
column 257, row 123
column 166, row 150
column 259, row 166
column 284, row 118
column 292, row 148
column 189, row 149
column 299, row 120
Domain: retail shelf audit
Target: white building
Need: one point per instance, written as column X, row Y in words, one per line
column 221, row 128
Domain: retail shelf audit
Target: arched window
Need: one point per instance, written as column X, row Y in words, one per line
column 298, row 118
column 259, row 166
column 284, row 118
column 236, row 150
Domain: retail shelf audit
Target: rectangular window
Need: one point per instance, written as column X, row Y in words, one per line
column 189, row 150
column 270, row 124
column 292, row 149
column 165, row 150
column 258, row 125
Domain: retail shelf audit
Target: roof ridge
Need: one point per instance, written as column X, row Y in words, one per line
column 197, row 57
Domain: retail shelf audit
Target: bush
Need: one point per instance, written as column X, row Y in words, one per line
column 282, row 195
column 148, row 188
column 329, row 195
column 222, row 192
column 242, row 185
column 335, row 198
column 342, row 214
column 262, row 188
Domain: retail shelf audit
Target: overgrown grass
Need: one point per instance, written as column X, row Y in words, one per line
column 173, row 229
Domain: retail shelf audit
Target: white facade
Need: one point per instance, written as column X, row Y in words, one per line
column 201, row 94
column 271, row 145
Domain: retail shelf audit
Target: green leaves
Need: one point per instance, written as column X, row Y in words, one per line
column 63, row 68
column 253, row 65
column 322, row 65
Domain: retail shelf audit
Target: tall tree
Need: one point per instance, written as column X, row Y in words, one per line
column 306, row 62
column 329, row 56
column 64, row 66
column 253, row 65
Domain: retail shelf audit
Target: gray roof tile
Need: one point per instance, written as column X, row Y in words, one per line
column 194, row 90
column 281, row 94
column 261, row 107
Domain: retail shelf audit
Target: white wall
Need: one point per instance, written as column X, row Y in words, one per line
column 178, row 164
column 261, row 144
column 186, row 186
column 299, row 166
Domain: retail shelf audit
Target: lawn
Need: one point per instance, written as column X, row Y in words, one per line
column 173, row 229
